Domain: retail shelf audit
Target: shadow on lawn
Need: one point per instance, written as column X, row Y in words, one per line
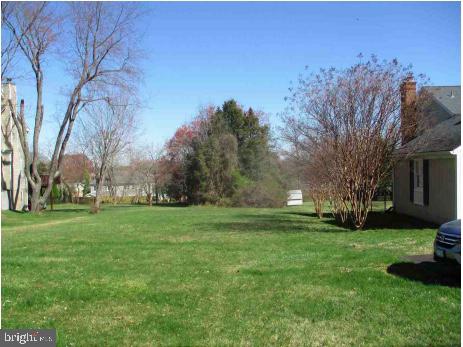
column 104, row 206
column 298, row 222
column 277, row 223
column 67, row 210
column 378, row 220
column 428, row 272
column 173, row 204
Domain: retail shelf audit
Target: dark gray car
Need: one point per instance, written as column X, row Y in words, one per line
column 447, row 244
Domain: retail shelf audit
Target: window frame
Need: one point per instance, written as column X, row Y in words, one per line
column 418, row 194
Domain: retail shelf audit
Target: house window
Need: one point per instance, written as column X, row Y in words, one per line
column 418, row 182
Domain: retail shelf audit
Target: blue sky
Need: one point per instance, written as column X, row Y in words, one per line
column 201, row 53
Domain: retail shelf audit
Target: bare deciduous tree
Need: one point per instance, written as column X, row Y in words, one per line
column 10, row 39
column 106, row 130
column 349, row 123
column 146, row 165
column 33, row 28
column 101, row 60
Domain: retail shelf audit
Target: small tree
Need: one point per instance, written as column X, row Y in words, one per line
column 105, row 132
column 146, row 164
column 177, row 150
column 55, row 194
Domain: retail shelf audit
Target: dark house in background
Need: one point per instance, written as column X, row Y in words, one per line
column 428, row 173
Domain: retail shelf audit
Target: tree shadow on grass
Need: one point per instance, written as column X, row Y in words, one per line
column 67, row 210
column 299, row 222
column 110, row 206
column 277, row 223
column 392, row 220
column 172, row 204
column 305, row 214
column 378, row 220
column 428, row 272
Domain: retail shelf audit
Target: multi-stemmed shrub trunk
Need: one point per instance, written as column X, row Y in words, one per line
column 319, row 196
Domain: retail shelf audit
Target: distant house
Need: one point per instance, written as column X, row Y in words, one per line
column 428, row 174
column 14, row 182
column 121, row 182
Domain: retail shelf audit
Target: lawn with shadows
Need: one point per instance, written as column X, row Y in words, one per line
column 207, row 276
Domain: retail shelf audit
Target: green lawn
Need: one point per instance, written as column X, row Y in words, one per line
column 209, row 276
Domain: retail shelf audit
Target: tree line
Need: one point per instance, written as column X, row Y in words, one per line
column 342, row 126
column 224, row 157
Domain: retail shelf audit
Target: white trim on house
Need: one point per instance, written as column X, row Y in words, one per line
column 459, row 172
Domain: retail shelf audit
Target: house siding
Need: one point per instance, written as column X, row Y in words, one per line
column 14, row 194
column 442, row 205
column 126, row 190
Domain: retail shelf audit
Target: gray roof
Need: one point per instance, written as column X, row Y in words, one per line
column 445, row 136
column 121, row 176
column 447, row 96
column 443, row 114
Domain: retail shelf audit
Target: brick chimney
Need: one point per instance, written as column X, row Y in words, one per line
column 408, row 117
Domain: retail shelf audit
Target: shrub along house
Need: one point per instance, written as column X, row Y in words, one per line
column 425, row 175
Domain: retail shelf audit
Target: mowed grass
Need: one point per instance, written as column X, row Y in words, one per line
column 206, row 276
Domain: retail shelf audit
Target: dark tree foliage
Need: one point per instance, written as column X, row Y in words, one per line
column 228, row 160
column 252, row 137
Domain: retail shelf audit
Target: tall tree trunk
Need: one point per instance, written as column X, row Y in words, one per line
column 99, row 187
column 35, row 199
column 97, row 202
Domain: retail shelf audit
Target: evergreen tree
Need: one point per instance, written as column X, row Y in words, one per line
column 228, row 154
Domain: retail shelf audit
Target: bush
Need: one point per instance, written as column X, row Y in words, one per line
column 265, row 193
column 106, row 199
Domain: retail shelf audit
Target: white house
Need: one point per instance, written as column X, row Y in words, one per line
column 122, row 182
column 428, row 173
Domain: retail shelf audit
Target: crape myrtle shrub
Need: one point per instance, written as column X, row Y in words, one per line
column 223, row 157
column 345, row 125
